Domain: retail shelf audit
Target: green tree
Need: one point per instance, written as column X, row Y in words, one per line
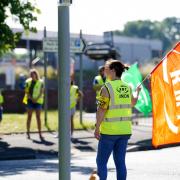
column 168, row 30
column 171, row 28
column 142, row 29
column 21, row 11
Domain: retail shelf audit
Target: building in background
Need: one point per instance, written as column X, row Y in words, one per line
column 131, row 49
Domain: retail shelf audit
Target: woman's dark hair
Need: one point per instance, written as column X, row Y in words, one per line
column 118, row 66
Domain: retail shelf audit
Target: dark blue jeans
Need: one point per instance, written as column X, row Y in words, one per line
column 116, row 144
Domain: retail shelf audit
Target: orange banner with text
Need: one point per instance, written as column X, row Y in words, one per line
column 165, row 90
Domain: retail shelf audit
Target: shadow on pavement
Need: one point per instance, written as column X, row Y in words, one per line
column 7, row 152
column 146, row 145
column 19, row 167
column 78, row 141
column 82, row 145
column 45, row 142
column 3, row 145
column 81, row 169
column 168, row 146
column 13, row 153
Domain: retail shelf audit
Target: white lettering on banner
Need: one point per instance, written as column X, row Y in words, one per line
column 165, row 72
column 176, row 76
column 171, row 126
column 177, row 95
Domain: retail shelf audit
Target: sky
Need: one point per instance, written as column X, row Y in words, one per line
column 97, row 16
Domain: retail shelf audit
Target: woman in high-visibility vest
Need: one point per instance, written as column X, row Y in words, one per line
column 113, row 120
column 34, row 99
column 75, row 95
column 99, row 81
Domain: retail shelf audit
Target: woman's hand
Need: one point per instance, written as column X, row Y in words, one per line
column 97, row 133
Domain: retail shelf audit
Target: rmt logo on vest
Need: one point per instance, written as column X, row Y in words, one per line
column 123, row 91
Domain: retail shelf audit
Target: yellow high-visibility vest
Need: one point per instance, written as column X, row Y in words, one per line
column 117, row 119
column 73, row 96
column 1, row 99
column 36, row 91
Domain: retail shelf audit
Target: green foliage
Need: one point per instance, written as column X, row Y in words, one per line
column 171, row 28
column 168, row 30
column 142, row 29
column 23, row 12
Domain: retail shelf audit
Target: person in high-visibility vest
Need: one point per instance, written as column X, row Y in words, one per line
column 1, row 108
column 113, row 120
column 34, row 90
column 75, row 95
column 99, row 81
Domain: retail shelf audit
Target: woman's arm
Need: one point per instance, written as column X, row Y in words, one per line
column 103, row 103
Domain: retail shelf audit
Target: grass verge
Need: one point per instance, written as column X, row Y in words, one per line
column 16, row 123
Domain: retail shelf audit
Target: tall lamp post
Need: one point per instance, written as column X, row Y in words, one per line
column 64, row 89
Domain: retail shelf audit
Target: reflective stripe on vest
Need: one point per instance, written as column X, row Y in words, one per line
column 117, row 119
column 120, row 106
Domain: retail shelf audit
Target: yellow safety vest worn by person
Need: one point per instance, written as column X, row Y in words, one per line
column 117, row 120
column 73, row 96
column 1, row 99
column 100, row 82
column 36, row 91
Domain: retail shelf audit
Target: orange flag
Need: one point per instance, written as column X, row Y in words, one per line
column 165, row 89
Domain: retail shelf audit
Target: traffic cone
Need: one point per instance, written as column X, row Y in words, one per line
column 94, row 176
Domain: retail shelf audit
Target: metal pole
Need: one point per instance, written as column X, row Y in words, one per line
column 45, row 84
column 112, row 39
column 81, row 82
column 64, row 92
column 29, row 52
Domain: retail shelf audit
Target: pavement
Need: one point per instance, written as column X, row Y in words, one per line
column 26, row 159
column 160, row 164
column 17, row 146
